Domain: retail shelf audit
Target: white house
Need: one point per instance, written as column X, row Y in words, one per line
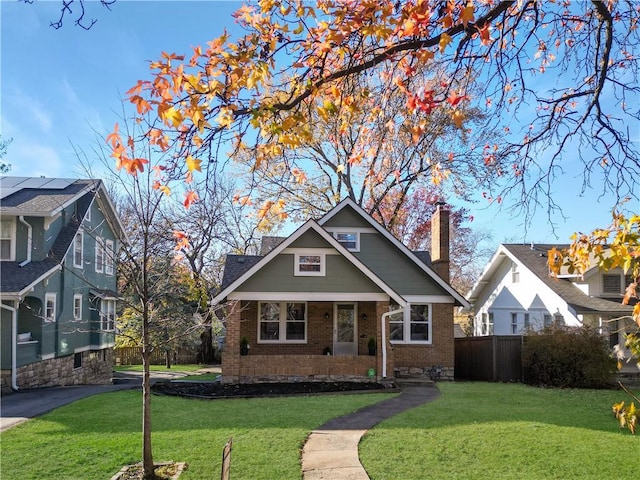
column 516, row 292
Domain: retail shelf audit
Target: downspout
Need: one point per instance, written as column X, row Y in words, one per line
column 29, row 239
column 383, row 319
column 14, row 345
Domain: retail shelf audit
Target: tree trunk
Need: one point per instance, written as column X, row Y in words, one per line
column 147, row 456
column 205, row 353
column 167, row 358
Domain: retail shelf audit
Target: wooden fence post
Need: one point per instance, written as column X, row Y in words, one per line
column 226, row 459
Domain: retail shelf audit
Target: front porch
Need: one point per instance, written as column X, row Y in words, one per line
column 325, row 350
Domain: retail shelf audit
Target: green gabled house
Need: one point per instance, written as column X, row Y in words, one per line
column 58, row 246
column 313, row 304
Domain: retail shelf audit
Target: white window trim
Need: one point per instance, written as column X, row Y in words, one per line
column 104, row 320
column 109, row 259
column 406, row 332
column 87, row 215
column 283, row 324
column 50, row 297
column 77, row 298
column 515, row 273
column 99, row 266
column 514, row 323
column 12, row 238
column 296, row 264
column 75, row 264
column 347, row 232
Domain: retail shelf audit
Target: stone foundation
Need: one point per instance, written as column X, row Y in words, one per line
column 96, row 368
column 442, row 373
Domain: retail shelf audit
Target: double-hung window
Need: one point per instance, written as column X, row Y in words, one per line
column 99, row 255
column 107, row 314
column 413, row 326
column 77, row 306
column 77, row 249
column 282, row 322
column 612, row 284
column 50, row 307
column 309, row 264
column 7, row 240
column 514, row 323
column 108, row 257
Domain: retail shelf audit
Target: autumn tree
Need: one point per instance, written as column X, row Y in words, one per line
column 4, row 144
column 557, row 78
column 77, row 11
column 616, row 246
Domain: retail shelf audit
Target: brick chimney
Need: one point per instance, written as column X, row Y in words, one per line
column 440, row 241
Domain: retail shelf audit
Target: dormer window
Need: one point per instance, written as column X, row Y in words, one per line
column 612, row 284
column 349, row 240
column 309, row 264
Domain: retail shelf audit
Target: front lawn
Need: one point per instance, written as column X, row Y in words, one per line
column 504, row 431
column 93, row 438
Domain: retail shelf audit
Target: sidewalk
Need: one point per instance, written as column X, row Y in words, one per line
column 331, row 451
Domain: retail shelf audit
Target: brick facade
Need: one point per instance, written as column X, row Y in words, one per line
column 307, row 362
column 97, row 368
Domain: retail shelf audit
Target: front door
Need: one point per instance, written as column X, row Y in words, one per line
column 345, row 331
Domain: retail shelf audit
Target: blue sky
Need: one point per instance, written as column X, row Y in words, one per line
column 60, row 86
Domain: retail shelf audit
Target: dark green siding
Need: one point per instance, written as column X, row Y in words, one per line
column 310, row 239
column 394, row 267
column 341, row 276
column 347, row 217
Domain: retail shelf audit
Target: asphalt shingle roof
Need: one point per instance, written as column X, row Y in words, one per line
column 534, row 257
column 235, row 266
column 43, row 201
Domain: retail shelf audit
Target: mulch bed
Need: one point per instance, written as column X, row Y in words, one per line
column 216, row 390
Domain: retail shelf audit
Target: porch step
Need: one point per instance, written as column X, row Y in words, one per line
column 404, row 382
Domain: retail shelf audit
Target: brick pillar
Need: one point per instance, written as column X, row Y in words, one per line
column 440, row 241
column 231, row 352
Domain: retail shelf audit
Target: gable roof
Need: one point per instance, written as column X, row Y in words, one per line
column 309, row 225
column 419, row 258
column 44, row 197
column 534, row 258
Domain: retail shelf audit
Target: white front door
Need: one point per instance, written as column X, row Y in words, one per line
column 345, row 330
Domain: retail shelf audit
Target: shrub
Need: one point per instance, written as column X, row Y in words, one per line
column 567, row 357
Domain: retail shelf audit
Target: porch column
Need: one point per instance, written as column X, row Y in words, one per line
column 231, row 352
column 383, row 307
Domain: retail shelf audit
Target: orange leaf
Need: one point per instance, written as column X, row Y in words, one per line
column 467, row 15
column 190, row 198
column 458, row 118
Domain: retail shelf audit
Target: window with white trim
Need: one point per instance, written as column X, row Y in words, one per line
column 515, row 274
column 486, row 323
column 612, row 283
column 77, row 306
column 547, row 320
column 413, row 326
column 349, row 240
column 309, row 264
column 8, row 240
column 108, row 257
column 99, row 255
column 78, row 249
column 50, row 307
column 514, row 323
column 527, row 322
column 108, row 314
column 282, row 322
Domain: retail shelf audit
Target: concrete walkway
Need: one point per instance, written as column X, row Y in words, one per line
column 331, row 451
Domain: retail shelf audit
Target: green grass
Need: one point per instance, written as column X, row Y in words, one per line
column 159, row 368
column 498, row 431
column 93, row 438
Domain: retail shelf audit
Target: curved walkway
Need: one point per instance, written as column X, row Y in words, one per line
column 331, row 451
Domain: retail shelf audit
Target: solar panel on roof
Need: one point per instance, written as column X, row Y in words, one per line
column 11, row 185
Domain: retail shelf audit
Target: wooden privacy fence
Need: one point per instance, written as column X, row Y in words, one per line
column 497, row 358
column 133, row 356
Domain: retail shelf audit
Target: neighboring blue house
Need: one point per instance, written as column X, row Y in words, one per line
column 58, row 244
